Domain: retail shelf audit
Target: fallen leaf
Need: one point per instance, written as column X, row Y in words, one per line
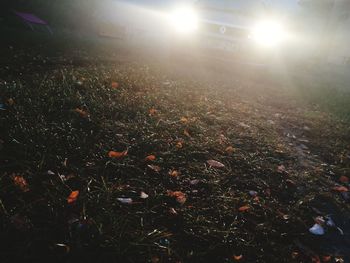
column 155, row 168
column 340, row 188
column 229, row 149
column 242, row 124
column 315, row 259
column 65, row 247
column 81, row 112
column 113, row 154
column 115, row 85
column 194, row 182
column 172, row 211
column 326, row 258
column 179, row 196
column 186, row 133
column 281, row 168
column 215, row 164
column 10, row 102
column 174, row 173
column 73, row 197
column 237, row 257
column 123, row 200
column 21, row 183
column 244, row 208
column 344, row 179
column 295, row 254
column 317, row 229
column 143, row 195
column 253, row 193
column 339, row 259
column 150, row 157
column 320, row 220
column 179, row 145
column 152, row 112
column 155, row 259
column 290, row 183
column 184, row 120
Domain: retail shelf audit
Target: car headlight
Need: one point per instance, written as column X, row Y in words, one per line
column 184, row 19
column 268, row 33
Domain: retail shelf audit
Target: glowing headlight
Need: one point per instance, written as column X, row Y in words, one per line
column 184, row 20
column 268, row 33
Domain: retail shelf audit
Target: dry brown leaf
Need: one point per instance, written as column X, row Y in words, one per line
column 179, row 196
column 229, row 149
column 281, row 168
column 237, row 257
column 186, row 133
column 152, row 112
column 20, row 182
column 326, row 258
column 155, row 168
column 184, row 120
column 340, row 188
column 10, row 102
column 244, row 208
column 81, row 112
column 73, row 197
column 174, row 173
column 315, row 259
column 150, row 157
column 215, row 164
column 179, row 145
column 115, row 85
column 113, row 154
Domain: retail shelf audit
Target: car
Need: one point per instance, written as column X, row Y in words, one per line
column 222, row 28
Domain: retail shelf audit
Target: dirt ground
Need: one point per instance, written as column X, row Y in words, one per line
column 117, row 155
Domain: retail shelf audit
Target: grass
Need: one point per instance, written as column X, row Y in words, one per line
column 49, row 149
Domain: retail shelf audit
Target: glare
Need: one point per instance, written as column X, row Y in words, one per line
column 184, row 19
column 268, row 33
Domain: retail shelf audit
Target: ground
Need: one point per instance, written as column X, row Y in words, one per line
column 112, row 156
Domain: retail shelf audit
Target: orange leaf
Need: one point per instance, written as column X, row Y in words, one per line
column 229, row 149
column 150, row 157
column 152, row 112
column 174, row 173
column 344, row 179
column 115, row 85
column 237, row 257
column 186, row 132
column 180, row 196
column 73, row 197
column 20, row 182
column 184, row 120
column 340, row 188
column 81, row 112
column 179, row 145
column 244, row 208
column 114, row 154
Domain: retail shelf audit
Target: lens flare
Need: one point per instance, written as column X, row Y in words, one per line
column 268, row 33
column 184, row 20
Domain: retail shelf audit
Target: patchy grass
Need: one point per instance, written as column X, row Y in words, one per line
column 62, row 116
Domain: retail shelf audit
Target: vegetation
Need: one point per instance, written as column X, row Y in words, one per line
column 109, row 156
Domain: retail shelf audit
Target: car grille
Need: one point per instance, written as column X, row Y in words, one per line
column 224, row 31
